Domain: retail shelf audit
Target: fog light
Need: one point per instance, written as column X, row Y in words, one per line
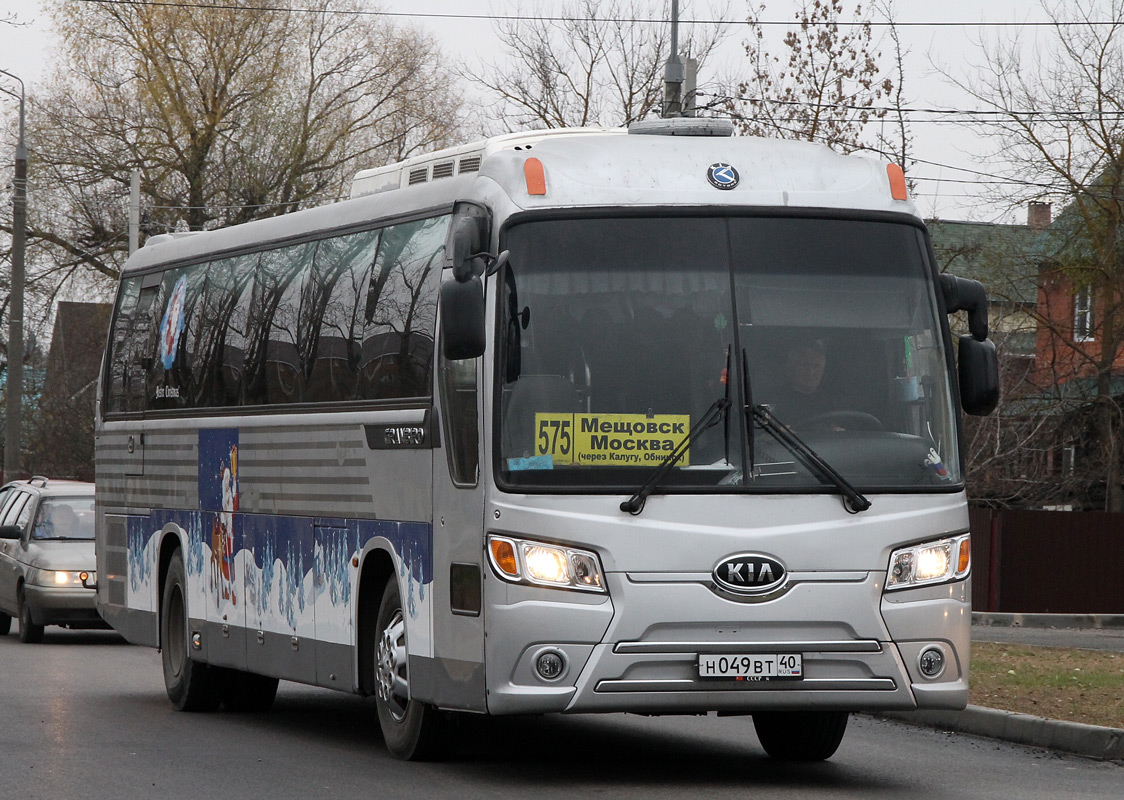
column 931, row 662
column 550, row 664
column 196, row 641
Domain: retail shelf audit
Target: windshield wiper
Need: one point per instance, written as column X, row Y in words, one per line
column 853, row 501
column 635, row 504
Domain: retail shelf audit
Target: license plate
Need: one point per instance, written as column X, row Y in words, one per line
column 752, row 667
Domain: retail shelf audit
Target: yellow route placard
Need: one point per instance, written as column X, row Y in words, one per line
column 610, row 439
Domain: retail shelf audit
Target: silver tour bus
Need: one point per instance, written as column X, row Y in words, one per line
column 660, row 420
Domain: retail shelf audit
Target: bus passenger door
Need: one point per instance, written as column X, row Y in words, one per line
column 458, row 549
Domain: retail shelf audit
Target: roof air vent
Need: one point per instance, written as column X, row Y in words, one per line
column 470, row 164
column 443, row 170
column 419, row 175
column 684, row 126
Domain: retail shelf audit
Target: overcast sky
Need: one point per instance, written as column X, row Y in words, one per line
column 942, row 191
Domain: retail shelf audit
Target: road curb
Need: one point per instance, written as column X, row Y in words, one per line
column 1009, row 620
column 1091, row 741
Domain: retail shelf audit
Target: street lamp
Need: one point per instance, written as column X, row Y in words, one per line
column 15, row 308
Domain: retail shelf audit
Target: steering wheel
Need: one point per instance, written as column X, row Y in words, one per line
column 845, row 420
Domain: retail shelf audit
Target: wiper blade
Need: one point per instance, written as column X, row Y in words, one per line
column 853, row 501
column 635, row 504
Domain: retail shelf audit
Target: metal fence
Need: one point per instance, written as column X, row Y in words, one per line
column 1047, row 562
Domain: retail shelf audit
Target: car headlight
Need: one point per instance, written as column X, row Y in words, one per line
column 930, row 563
column 541, row 564
column 58, row 578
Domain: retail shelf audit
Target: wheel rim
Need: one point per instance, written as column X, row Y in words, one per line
column 394, row 686
column 175, row 645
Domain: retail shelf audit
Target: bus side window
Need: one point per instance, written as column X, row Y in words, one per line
column 220, row 348
column 401, row 311
column 337, row 296
column 124, row 383
column 273, row 369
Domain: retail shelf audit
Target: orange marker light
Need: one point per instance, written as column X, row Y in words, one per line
column 964, row 556
column 897, row 182
column 536, row 176
column 503, row 555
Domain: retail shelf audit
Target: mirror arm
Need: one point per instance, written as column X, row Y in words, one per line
column 964, row 294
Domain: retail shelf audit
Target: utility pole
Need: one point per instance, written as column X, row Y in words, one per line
column 14, row 408
column 134, row 211
column 679, row 75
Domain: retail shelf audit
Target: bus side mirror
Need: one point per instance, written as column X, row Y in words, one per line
column 963, row 294
column 467, row 241
column 462, row 318
column 978, row 370
column 10, row 532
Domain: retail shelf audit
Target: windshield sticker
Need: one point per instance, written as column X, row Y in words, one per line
column 933, row 462
column 171, row 327
column 537, row 462
column 617, row 440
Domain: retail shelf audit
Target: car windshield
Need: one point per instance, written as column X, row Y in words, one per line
column 64, row 518
column 618, row 335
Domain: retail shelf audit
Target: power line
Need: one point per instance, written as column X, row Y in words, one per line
column 1005, row 115
column 218, row 6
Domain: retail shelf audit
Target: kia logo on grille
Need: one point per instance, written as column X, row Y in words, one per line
column 749, row 573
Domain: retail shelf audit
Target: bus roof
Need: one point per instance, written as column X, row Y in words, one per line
column 602, row 167
column 581, row 167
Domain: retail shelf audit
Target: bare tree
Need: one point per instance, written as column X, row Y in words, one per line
column 827, row 87
column 589, row 63
column 1058, row 125
column 230, row 113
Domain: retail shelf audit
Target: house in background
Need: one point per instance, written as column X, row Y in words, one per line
column 1005, row 259
column 61, row 441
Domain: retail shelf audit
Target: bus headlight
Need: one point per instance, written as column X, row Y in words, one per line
column 930, row 563
column 541, row 564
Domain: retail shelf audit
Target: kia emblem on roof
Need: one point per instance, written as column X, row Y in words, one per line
column 749, row 573
column 722, row 176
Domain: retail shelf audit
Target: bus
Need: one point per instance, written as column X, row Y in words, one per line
column 657, row 420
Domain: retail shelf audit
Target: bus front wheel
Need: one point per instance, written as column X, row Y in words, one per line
column 191, row 685
column 800, row 735
column 409, row 726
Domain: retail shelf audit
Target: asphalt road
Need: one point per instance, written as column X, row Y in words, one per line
column 1107, row 639
column 85, row 715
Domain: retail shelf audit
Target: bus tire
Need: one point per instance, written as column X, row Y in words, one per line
column 247, row 691
column 800, row 735
column 191, row 685
column 410, row 727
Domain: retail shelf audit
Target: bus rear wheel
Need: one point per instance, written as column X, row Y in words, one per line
column 800, row 735
column 191, row 685
column 410, row 727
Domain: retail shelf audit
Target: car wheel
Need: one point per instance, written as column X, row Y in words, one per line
column 5, row 624
column 410, row 727
column 29, row 631
column 247, row 691
column 800, row 735
column 191, row 685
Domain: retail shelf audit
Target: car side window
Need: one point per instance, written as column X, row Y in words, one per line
column 24, row 514
column 12, row 510
column 7, row 495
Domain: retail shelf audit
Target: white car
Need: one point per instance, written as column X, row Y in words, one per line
column 47, row 556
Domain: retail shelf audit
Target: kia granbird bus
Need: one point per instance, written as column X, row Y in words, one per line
column 523, row 427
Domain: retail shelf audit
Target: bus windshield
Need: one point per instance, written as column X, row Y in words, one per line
column 618, row 335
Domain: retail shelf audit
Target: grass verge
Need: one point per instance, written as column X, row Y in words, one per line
column 1057, row 683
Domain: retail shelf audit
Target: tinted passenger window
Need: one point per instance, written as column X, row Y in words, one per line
column 342, row 319
column 125, row 379
column 401, row 311
column 337, row 296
